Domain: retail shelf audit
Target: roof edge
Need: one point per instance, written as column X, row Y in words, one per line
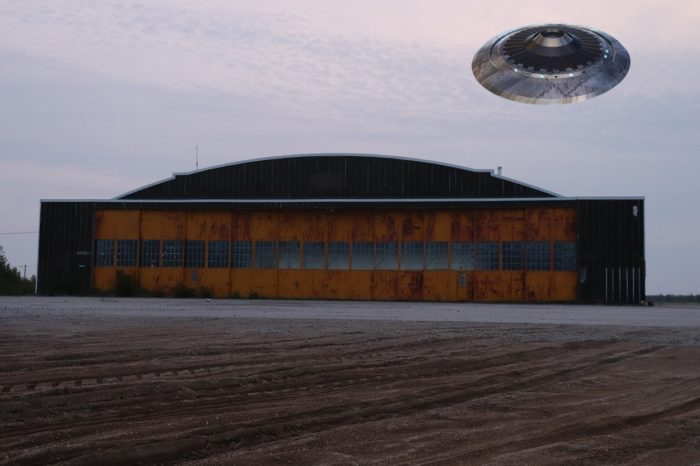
column 352, row 200
column 337, row 154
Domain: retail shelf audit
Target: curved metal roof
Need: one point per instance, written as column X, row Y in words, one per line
column 335, row 176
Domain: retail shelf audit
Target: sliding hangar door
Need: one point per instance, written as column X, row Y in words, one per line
column 438, row 255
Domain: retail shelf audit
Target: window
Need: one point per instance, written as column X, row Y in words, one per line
column 289, row 254
column 386, row 256
column 338, row 256
column 513, row 255
column 150, row 253
column 172, row 253
column 462, row 255
column 362, row 255
column 241, row 255
column 104, row 252
column 412, row 255
column 564, row 255
column 126, row 252
column 538, row 255
column 265, row 255
column 436, row 255
column 487, row 255
column 313, row 255
column 194, row 253
column 217, row 256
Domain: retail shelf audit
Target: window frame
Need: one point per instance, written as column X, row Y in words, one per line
column 289, row 255
column 242, row 254
column 462, row 256
column 412, row 255
column 218, row 254
column 362, row 255
column 338, row 255
column 127, row 253
column 173, row 253
column 386, row 255
column 104, row 252
column 310, row 250
column 487, row 256
column 538, row 256
column 265, row 255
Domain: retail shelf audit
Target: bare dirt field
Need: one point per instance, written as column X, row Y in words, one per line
column 90, row 381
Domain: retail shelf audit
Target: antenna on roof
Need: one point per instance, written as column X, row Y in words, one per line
column 196, row 157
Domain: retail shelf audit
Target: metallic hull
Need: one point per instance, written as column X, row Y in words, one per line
column 514, row 78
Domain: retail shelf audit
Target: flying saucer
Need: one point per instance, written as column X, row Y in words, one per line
column 551, row 64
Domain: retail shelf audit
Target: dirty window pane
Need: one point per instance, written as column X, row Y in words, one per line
column 564, row 255
column 338, row 255
column 412, row 255
column 126, row 252
column 241, row 255
column 538, row 255
column 104, row 252
column 172, row 253
column 265, row 255
column 487, row 255
column 217, row 256
column 194, row 253
column 462, row 255
column 386, row 256
column 289, row 254
column 313, row 255
column 150, row 253
column 513, row 255
column 436, row 255
column 363, row 255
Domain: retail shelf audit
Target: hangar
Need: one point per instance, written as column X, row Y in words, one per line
column 348, row 226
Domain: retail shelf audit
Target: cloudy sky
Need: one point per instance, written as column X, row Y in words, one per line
column 98, row 98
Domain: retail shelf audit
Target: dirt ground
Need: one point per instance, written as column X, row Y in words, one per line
column 89, row 387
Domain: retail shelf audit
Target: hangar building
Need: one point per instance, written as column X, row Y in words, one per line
column 346, row 226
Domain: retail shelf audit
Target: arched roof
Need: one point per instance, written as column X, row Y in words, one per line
column 335, row 176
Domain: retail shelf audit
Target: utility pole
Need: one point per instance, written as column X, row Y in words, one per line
column 25, row 271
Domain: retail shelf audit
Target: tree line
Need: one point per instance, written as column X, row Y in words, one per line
column 11, row 280
column 673, row 298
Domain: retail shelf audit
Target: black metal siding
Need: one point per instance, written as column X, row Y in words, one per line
column 335, row 176
column 65, row 247
column 611, row 260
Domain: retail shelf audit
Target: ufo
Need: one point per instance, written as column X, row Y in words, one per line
column 551, row 64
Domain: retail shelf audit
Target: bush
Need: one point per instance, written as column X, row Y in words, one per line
column 126, row 285
column 183, row 291
column 205, row 292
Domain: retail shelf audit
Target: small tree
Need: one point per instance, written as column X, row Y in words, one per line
column 11, row 281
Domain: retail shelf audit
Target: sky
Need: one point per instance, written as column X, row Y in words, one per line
column 100, row 98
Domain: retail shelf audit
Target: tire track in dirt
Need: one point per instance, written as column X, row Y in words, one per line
column 258, row 392
column 363, row 412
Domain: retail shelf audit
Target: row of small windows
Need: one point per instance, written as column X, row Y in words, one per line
column 340, row 255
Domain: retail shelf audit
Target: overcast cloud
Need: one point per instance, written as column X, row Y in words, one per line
column 98, row 98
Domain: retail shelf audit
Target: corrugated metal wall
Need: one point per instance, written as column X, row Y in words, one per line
column 65, row 248
column 612, row 267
